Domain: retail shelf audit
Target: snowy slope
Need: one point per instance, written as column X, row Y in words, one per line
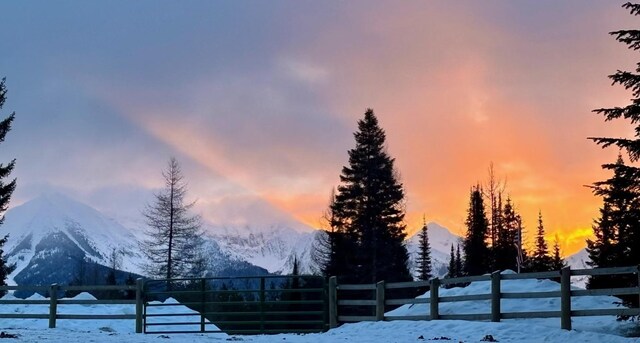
column 365, row 332
column 275, row 247
column 440, row 241
column 54, row 230
column 604, row 324
column 108, row 326
column 54, row 238
column 579, row 261
column 57, row 230
column 116, row 331
column 272, row 248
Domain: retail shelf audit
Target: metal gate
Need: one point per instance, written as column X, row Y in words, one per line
column 236, row 305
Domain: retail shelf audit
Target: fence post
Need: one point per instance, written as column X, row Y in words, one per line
column 380, row 301
column 139, row 304
column 565, row 298
column 203, row 289
column 53, row 305
column 433, row 301
column 333, row 302
column 495, row 296
column 262, row 300
column 638, row 274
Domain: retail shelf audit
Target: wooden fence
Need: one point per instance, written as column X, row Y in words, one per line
column 262, row 312
column 53, row 302
column 239, row 305
column 379, row 302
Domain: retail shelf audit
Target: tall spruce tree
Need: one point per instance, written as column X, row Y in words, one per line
column 424, row 254
column 617, row 231
column 452, row 264
column 498, row 227
column 328, row 243
column 6, row 188
column 603, row 249
column 557, row 262
column 369, row 211
column 476, row 250
column 630, row 81
column 493, row 193
column 173, row 242
column 541, row 261
column 506, row 250
column 459, row 262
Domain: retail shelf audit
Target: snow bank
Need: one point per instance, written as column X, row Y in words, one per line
column 607, row 324
column 102, row 325
column 389, row 332
column 508, row 331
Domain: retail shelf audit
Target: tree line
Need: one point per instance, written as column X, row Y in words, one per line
column 495, row 233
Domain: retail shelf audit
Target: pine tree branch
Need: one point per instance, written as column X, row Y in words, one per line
column 629, row 37
column 631, row 112
column 632, row 146
column 628, row 80
column 634, row 9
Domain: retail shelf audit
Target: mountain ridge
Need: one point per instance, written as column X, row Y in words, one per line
column 55, row 230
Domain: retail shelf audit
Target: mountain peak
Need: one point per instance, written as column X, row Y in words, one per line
column 53, row 216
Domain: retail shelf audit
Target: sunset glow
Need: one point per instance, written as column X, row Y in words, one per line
column 262, row 113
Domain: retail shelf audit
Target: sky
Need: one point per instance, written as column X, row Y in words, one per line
column 259, row 100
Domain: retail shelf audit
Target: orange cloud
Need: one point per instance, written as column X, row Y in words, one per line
column 455, row 87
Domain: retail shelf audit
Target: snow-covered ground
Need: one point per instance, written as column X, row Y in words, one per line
column 586, row 329
column 602, row 324
column 388, row 332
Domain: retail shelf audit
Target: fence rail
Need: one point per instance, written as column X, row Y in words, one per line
column 264, row 304
column 53, row 303
column 317, row 306
column 381, row 300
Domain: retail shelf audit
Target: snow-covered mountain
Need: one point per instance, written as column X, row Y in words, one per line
column 52, row 232
column 51, row 235
column 54, row 238
column 579, row 261
column 440, row 241
column 273, row 248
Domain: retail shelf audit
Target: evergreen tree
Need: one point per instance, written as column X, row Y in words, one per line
column 630, row 81
column 540, row 261
column 6, row 188
column 130, row 281
column 295, row 271
column 557, row 262
column 617, row 231
column 111, row 278
column 291, row 284
column 494, row 190
column 452, row 265
column 603, row 249
column 330, row 245
column 424, row 254
column 459, row 264
column 476, row 250
column 498, row 226
column 174, row 237
column 506, row 250
column 369, row 211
